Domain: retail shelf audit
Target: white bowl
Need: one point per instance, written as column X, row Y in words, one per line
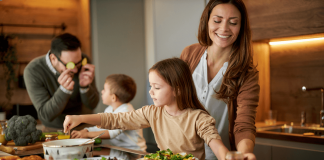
column 67, row 149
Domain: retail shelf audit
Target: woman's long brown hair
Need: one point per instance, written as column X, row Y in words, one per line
column 240, row 63
column 177, row 74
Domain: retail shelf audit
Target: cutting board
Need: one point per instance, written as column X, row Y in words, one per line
column 25, row 148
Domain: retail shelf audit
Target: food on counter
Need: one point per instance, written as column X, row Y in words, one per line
column 97, row 141
column 7, row 149
column 63, row 136
column 3, row 140
column 42, row 137
column 9, row 158
column 51, row 137
column 168, row 155
column 309, row 134
column 97, row 149
column 22, row 130
column 98, row 158
column 32, row 157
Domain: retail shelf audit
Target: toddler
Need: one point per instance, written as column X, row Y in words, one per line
column 119, row 89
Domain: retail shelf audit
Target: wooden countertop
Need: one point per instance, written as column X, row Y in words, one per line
column 262, row 124
column 135, row 154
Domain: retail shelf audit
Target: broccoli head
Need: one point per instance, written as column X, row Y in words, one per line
column 22, row 130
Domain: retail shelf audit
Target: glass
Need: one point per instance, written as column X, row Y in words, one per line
column 271, row 117
column 234, row 155
column 303, row 118
column 50, row 137
column 62, row 135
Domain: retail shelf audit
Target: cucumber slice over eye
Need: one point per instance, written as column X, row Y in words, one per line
column 84, row 61
column 70, row 65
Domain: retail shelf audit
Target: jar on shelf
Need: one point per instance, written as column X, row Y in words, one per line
column 3, row 126
column 50, row 137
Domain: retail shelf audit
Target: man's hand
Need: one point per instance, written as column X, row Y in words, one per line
column 71, row 121
column 65, row 79
column 80, row 134
column 86, row 75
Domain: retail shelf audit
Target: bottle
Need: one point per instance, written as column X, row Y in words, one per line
column 50, row 137
column 303, row 118
column 234, row 155
column 3, row 140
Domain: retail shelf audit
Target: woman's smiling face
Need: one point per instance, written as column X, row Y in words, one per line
column 224, row 25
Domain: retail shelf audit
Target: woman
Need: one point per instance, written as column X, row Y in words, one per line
column 225, row 78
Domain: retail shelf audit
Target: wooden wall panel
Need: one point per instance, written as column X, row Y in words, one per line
column 34, row 42
column 285, row 18
column 293, row 66
column 261, row 58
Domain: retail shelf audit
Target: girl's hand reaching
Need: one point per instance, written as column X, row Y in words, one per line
column 71, row 121
column 249, row 156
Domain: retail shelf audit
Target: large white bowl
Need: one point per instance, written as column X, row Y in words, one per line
column 67, row 149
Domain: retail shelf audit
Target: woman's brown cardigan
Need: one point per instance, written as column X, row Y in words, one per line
column 242, row 110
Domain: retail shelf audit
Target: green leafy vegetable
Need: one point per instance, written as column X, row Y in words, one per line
column 167, row 155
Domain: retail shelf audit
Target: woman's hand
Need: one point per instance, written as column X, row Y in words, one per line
column 80, row 134
column 249, row 156
column 71, row 121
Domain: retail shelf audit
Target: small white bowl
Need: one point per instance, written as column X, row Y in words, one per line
column 67, row 149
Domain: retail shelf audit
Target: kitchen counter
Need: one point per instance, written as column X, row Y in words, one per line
column 284, row 141
column 112, row 151
column 268, row 131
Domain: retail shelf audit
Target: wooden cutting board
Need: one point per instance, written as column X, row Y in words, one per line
column 25, row 148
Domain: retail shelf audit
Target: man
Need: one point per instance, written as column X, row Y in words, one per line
column 56, row 90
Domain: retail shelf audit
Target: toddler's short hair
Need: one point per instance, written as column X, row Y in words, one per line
column 123, row 86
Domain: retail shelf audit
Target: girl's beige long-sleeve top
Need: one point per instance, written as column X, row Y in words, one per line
column 184, row 133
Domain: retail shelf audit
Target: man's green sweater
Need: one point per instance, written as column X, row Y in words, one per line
column 51, row 102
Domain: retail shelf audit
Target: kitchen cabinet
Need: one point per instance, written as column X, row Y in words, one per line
column 276, row 18
column 270, row 149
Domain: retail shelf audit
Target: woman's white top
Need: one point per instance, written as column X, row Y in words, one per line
column 206, row 95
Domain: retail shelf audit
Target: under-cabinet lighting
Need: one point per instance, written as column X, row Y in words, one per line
column 294, row 41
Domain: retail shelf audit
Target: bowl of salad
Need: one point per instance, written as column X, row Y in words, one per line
column 169, row 155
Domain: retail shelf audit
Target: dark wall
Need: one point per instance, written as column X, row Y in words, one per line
column 291, row 67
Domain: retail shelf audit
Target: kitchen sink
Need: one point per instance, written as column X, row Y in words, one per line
column 306, row 131
column 309, row 134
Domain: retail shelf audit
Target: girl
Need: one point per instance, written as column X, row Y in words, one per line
column 178, row 120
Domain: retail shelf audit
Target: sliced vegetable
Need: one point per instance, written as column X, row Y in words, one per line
column 70, row 65
column 84, row 61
